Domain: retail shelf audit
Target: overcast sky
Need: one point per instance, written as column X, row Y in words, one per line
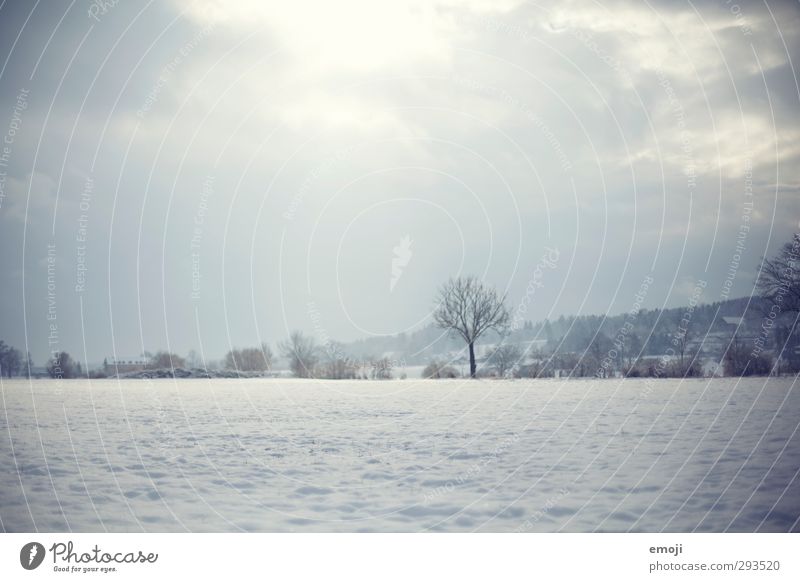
column 216, row 173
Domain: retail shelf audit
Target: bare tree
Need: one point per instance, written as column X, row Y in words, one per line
column 302, row 353
column 382, row 369
column 336, row 364
column 631, row 349
column 681, row 340
column 61, row 366
column 739, row 361
column 10, row 360
column 163, row 359
column 193, row 359
column 469, row 308
column 505, row 357
column 779, row 280
column 735, row 357
column 249, row 359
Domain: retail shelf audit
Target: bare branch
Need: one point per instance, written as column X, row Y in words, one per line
column 469, row 308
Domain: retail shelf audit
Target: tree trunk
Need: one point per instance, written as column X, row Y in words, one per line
column 472, row 367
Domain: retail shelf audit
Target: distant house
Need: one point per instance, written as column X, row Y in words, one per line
column 738, row 326
column 122, row 366
column 716, row 341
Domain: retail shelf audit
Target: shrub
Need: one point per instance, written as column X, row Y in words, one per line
column 162, row 359
column 61, row 366
column 437, row 370
column 249, row 359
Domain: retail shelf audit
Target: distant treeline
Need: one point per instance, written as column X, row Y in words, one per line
column 13, row 362
column 737, row 337
column 306, row 359
column 577, row 346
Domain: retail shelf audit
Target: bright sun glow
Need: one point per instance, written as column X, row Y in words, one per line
column 351, row 34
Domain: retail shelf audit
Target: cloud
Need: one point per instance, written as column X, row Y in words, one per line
column 325, row 38
column 510, row 125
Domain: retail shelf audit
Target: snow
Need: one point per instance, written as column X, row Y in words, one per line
column 455, row 455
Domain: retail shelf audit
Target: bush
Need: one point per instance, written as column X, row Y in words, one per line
column 61, row 366
column 437, row 370
column 632, row 372
column 739, row 362
column 536, row 369
column 302, row 353
column 163, row 359
column 382, row 369
column 761, row 365
column 663, row 368
column 249, row 359
column 505, row 359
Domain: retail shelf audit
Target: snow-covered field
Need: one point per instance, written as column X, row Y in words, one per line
column 286, row 455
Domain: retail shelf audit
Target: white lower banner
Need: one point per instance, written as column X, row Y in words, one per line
column 380, row 557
